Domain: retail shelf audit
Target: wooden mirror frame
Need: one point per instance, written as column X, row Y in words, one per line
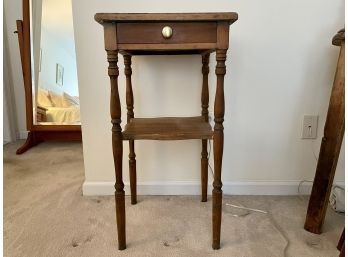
column 37, row 133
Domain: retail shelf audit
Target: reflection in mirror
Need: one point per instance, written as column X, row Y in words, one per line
column 55, row 85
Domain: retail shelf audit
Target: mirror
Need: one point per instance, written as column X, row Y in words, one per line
column 46, row 39
column 53, row 63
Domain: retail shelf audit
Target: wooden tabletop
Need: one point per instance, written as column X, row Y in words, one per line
column 132, row 17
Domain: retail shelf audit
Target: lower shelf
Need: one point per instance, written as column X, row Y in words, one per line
column 168, row 128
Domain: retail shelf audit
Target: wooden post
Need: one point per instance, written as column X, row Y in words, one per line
column 205, row 114
column 341, row 243
column 219, row 111
column 26, row 57
column 130, row 115
column 329, row 149
column 117, row 145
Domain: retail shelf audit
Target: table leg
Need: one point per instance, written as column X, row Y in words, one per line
column 205, row 114
column 219, row 111
column 204, row 170
column 130, row 115
column 117, row 146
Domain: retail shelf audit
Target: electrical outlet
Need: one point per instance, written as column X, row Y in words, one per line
column 309, row 126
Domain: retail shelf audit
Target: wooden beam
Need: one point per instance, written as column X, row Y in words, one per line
column 329, row 149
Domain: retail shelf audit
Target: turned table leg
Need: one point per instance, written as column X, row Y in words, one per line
column 204, row 170
column 130, row 115
column 219, row 111
column 117, row 146
column 205, row 114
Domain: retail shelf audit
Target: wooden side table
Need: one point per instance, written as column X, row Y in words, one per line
column 158, row 34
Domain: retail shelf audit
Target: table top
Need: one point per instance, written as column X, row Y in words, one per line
column 158, row 17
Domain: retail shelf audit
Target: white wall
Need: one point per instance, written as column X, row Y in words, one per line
column 58, row 46
column 54, row 51
column 280, row 66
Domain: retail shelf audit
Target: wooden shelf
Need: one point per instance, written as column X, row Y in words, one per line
column 173, row 128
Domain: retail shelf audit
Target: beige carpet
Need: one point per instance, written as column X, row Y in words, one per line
column 46, row 215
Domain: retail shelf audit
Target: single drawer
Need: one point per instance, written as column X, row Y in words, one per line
column 181, row 32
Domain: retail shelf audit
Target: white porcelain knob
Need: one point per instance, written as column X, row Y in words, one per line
column 167, row 32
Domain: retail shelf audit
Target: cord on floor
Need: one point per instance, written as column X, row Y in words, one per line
column 271, row 219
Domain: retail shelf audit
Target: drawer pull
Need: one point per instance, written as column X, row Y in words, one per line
column 167, row 32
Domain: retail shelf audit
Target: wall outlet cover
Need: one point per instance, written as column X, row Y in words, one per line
column 310, row 126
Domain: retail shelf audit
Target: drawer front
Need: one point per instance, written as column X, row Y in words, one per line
column 151, row 33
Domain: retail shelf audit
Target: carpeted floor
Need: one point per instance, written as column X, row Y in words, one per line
column 46, row 215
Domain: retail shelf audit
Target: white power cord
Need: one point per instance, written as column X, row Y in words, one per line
column 272, row 220
column 246, row 208
column 299, row 187
column 336, row 198
column 269, row 214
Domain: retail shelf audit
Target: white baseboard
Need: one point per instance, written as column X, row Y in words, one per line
column 22, row 135
column 193, row 188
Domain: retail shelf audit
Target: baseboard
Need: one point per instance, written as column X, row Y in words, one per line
column 193, row 188
column 22, row 135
